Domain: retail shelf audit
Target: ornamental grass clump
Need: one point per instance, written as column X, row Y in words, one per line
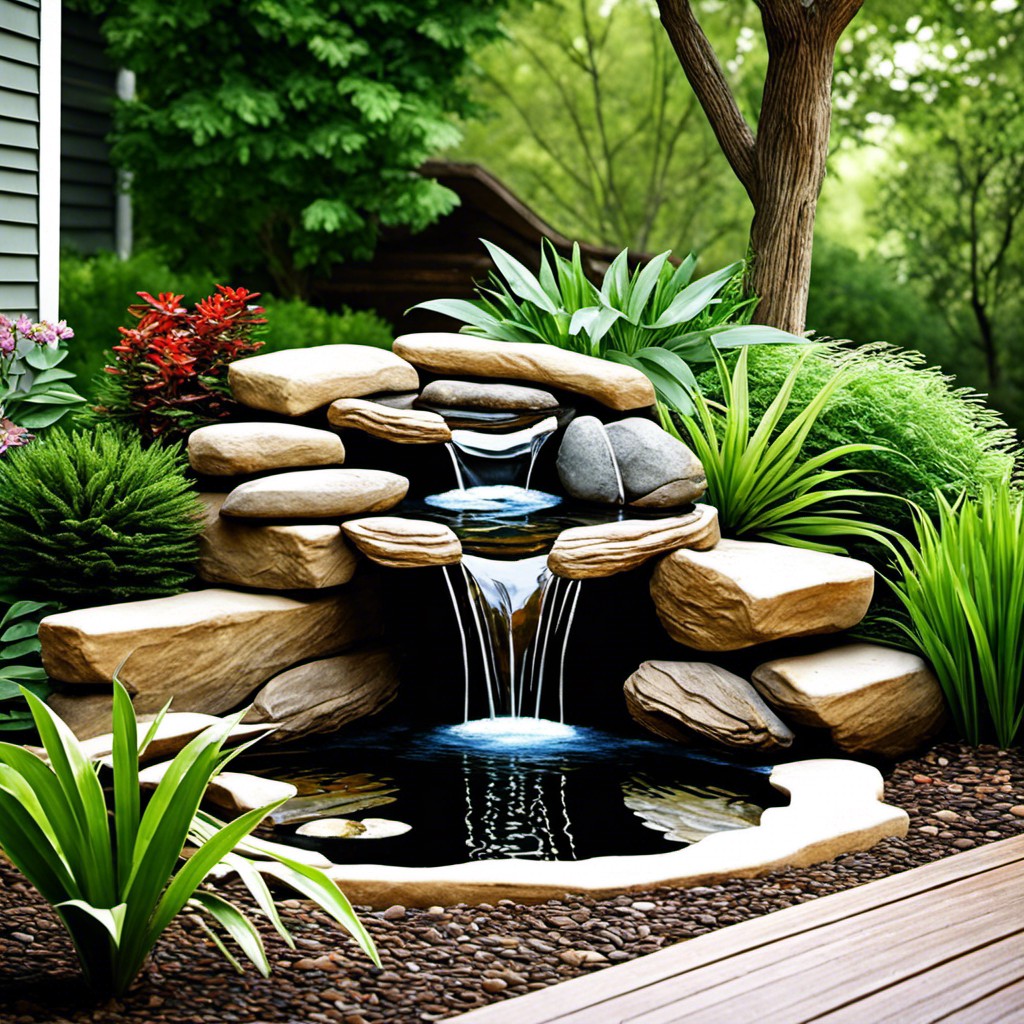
column 88, row 518
column 169, row 372
column 114, row 870
column 760, row 478
column 655, row 318
column 962, row 585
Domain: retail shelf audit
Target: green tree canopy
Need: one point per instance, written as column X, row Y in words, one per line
column 285, row 133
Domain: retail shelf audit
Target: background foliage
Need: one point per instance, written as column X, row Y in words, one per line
column 284, row 134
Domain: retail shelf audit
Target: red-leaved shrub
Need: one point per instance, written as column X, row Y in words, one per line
column 169, row 373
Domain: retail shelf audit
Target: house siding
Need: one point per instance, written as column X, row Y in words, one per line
column 19, row 156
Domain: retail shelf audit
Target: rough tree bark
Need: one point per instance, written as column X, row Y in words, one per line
column 783, row 166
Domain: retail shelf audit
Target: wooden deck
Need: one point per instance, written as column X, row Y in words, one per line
column 942, row 942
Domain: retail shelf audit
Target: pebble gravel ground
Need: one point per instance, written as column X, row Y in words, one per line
column 446, row 960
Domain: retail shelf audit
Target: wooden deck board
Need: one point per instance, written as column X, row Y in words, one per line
column 942, row 941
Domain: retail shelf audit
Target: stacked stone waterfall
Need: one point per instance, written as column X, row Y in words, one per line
column 292, row 627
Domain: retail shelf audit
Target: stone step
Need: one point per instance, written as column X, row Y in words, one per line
column 296, row 381
column 742, row 593
column 401, row 426
column 209, row 649
column 401, row 543
column 234, row 449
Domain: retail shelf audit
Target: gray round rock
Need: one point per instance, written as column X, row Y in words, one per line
column 586, row 464
column 658, row 470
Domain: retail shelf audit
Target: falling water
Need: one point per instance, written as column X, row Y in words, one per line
column 480, row 458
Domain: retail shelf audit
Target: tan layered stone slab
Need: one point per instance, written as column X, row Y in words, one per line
column 234, row 792
column 208, row 649
column 872, row 699
column 611, row 384
column 681, row 701
column 585, row 552
column 835, row 807
column 229, row 449
column 272, row 557
column 403, row 426
column 297, row 381
column 324, row 695
column 742, row 593
column 401, row 543
column 315, row 494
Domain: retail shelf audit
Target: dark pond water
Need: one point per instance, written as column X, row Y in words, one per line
column 494, row 789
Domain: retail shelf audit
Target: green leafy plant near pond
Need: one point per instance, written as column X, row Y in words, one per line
column 931, row 436
column 113, row 870
column 93, row 517
column 962, row 585
column 20, row 665
column 760, row 478
column 656, row 319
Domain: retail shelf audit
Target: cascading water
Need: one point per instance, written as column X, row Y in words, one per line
column 519, row 611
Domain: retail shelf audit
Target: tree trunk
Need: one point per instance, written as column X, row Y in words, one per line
column 783, row 167
column 789, row 168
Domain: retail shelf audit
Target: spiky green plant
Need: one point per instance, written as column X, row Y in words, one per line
column 962, row 584
column 656, row 319
column 759, row 479
column 113, row 871
column 93, row 517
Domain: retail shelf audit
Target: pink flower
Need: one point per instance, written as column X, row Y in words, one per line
column 12, row 436
column 24, row 326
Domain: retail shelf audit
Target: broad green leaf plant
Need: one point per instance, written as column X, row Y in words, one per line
column 113, row 869
column 962, row 585
column 655, row 318
column 20, row 666
column 759, row 480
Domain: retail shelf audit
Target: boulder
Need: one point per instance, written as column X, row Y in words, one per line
column 324, row 695
column 611, row 384
column 464, row 394
column 273, row 557
column 208, row 649
column 586, row 463
column 742, row 593
column 678, row 699
column 872, row 699
column 403, row 426
column 316, row 493
column 584, row 552
column 657, row 469
column 234, row 792
column 295, row 381
column 228, row 449
column 630, row 461
column 404, row 543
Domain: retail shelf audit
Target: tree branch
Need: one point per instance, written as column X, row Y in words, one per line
column 707, row 80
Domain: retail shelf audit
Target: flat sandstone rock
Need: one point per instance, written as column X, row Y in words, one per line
column 464, row 394
column 229, row 449
column 872, row 699
column 296, row 381
column 208, row 649
column 324, row 695
column 401, row 543
column 681, row 700
column 316, row 494
column 612, row 384
column 585, row 552
column 402, row 426
column 272, row 557
column 742, row 593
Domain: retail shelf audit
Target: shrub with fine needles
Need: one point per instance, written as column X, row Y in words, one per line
column 92, row 517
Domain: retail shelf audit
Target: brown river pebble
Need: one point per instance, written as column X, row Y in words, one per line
column 445, row 961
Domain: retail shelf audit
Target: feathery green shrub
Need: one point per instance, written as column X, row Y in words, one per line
column 962, row 585
column 932, row 437
column 93, row 517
